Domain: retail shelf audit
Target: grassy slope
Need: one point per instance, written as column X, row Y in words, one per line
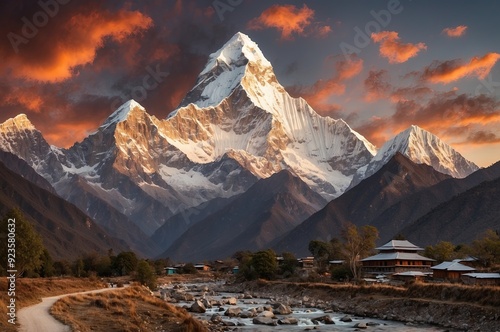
column 131, row 309
column 30, row 291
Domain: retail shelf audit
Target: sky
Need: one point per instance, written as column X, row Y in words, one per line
column 380, row 65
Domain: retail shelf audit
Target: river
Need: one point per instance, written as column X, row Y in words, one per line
column 214, row 294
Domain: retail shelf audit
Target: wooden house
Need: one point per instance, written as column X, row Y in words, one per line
column 396, row 256
column 451, row 270
column 491, row 279
column 202, row 267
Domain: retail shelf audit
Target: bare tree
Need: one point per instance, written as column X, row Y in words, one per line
column 357, row 243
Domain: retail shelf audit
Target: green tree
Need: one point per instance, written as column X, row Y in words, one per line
column 357, row 243
column 442, row 251
column 321, row 251
column 487, row 248
column 47, row 267
column 188, row 268
column 288, row 265
column 264, row 264
column 125, row 263
column 146, row 274
column 62, row 268
column 78, row 268
column 28, row 243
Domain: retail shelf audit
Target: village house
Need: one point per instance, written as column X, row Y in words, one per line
column 451, row 270
column 170, row 270
column 203, row 267
column 394, row 257
column 306, row 262
column 491, row 279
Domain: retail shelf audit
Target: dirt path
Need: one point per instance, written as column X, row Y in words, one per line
column 37, row 318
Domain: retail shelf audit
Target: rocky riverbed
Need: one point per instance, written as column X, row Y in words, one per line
column 279, row 307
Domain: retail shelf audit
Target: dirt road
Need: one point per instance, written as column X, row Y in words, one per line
column 36, row 318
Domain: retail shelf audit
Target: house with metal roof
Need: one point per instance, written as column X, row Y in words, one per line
column 451, row 270
column 396, row 256
column 481, row 278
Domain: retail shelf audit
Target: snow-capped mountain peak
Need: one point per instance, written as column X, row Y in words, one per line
column 18, row 123
column 421, row 147
column 122, row 113
column 238, row 51
column 239, row 63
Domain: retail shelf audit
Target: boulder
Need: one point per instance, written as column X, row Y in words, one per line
column 216, row 318
column 266, row 314
column 232, row 301
column 346, row 319
column 198, row 307
column 232, row 312
column 361, row 325
column 326, row 319
column 206, row 303
column 228, row 323
column 282, row 309
column 288, row 321
column 265, row 321
column 247, row 314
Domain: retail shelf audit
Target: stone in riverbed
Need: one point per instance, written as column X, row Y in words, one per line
column 346, row 319
column 232, row 301
column 265, row 321
column 282, row 309
column 288, row 321
column 326, row 319
column 232, row 311
column 198, row 307
column 247, row 314
column 361, row 325
column 266, row 314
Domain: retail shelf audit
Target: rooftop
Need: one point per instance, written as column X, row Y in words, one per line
column 389, row 256
column 483, row 275
column 399, row 245
column 453, row 266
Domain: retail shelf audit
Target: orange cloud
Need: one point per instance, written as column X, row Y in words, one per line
column 318, row 94
column 447, row 115
column 84, row 34
column 453, row 70
column 24, row 97
column 455, row 32
column 393, row 49
column 482, row 137
column 289, row 20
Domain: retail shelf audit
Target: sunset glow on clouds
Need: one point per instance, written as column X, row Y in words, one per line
column 84, row 34
column 92, row 56
column 393, row 49
column 453, row 70
column 455, row 32
column 290, row 21
column 318, row 94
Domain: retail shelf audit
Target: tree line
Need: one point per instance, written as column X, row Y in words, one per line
column 354, row 244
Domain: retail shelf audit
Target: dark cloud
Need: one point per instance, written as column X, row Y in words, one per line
column 483, row 137
column 376, row 85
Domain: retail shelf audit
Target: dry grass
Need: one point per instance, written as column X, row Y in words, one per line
column 31, row 291
column 480, row 295
column 130, row 309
